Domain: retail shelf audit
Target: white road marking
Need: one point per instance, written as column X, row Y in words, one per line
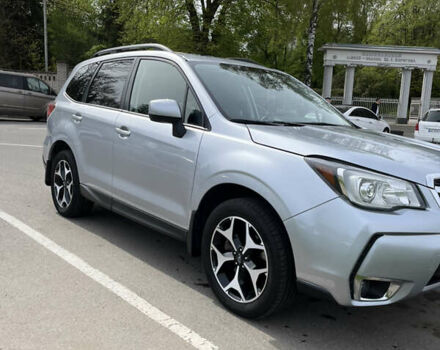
column 124, row 293
column 33, row 128
column 19, row 145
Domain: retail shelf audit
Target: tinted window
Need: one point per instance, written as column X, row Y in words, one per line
column 156, row 80
column 80, row 81
column 106, row 89
column 33, row 84
column 193, row 113
column 11, row 81
column 356, row 113
column 433, row 116
column 369, row 114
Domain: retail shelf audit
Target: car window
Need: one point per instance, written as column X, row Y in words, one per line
column 44, row 88
column 33, row 84
column 356, row 112
column 254, row 94
column 369, row 114
column 193, row 112
column 80, row 81
column 108, row 84
column 432, row 116
column 156, row 80
column 11, row 81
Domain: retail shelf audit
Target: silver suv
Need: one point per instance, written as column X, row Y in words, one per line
column 252, row 169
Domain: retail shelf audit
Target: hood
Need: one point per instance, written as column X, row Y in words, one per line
column 386, row 153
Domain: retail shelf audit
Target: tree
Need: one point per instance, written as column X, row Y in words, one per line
column 21, row 34
column 311, row 36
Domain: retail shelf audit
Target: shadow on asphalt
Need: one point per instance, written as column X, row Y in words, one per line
column 309, row 322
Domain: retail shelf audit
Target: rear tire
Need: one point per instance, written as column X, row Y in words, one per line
column 386, row 130
column 227, row 264
column 65, row 188
column 37, row 119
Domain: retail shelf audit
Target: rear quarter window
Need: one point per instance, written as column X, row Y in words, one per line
column 80, row 81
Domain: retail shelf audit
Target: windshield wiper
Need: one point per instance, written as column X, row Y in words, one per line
column 261, row 122
column 249, row 121
column 279, row 122
column 323, row 124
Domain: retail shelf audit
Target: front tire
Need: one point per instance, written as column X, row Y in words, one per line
column 247, row 258
column 65, row 187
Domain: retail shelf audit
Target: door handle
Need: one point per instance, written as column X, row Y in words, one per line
column 77, row 118
column 123, row 132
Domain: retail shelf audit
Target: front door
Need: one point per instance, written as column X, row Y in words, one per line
column 36, row 97
column 153, row 171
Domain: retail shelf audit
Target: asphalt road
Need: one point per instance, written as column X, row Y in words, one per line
column 48, row 303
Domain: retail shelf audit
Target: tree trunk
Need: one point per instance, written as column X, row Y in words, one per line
column 311, row 36
column 201, row 25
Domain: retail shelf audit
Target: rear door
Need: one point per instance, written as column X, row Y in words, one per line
column 94, row 122
column 429, row 127
column 153, row 170
column 37, row 96
column 11, row 94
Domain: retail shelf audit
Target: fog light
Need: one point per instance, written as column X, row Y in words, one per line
column 375, row 289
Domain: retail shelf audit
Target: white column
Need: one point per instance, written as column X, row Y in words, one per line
column 348, row 86
column 328, row 80
column 428, row 76
column 402, row 109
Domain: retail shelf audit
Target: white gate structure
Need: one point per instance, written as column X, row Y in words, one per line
column 402, row 57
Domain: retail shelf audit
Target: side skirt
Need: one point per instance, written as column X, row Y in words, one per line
column 134, row 214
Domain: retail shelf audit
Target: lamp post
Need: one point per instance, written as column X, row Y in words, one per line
column 46, row 64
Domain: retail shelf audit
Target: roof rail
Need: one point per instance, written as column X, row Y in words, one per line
column 248, row 60
column 158, row 47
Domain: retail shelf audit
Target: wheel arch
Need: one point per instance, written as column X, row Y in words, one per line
column 210, row 200
column 57, row 147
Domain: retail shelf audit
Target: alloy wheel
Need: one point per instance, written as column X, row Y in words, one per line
column 63, row 184
column 239, row 259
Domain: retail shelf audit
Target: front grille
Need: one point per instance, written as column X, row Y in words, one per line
column 436, row 278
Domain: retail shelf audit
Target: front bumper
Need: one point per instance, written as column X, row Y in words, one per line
column 336, row 243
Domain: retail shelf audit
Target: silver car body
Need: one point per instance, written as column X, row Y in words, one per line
column 335, row 244
column 22, row 99
column 366, row 119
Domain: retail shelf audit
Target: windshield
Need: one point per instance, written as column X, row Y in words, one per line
column 432, row 116
column 255, row 95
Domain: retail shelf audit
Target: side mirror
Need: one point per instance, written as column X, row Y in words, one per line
column 167, row 111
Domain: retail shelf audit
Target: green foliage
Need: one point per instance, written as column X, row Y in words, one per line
column 21, row 31
column 272, row 32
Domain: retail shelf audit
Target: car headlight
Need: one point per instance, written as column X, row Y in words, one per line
column 366, row 188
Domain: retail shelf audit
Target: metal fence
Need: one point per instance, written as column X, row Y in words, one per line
column 388, row 106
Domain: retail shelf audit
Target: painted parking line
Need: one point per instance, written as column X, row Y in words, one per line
column 19, row 145
column 33, row 128
column 121, row 291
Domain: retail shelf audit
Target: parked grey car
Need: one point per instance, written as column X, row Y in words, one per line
column 24, row 95
column 254, row 171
